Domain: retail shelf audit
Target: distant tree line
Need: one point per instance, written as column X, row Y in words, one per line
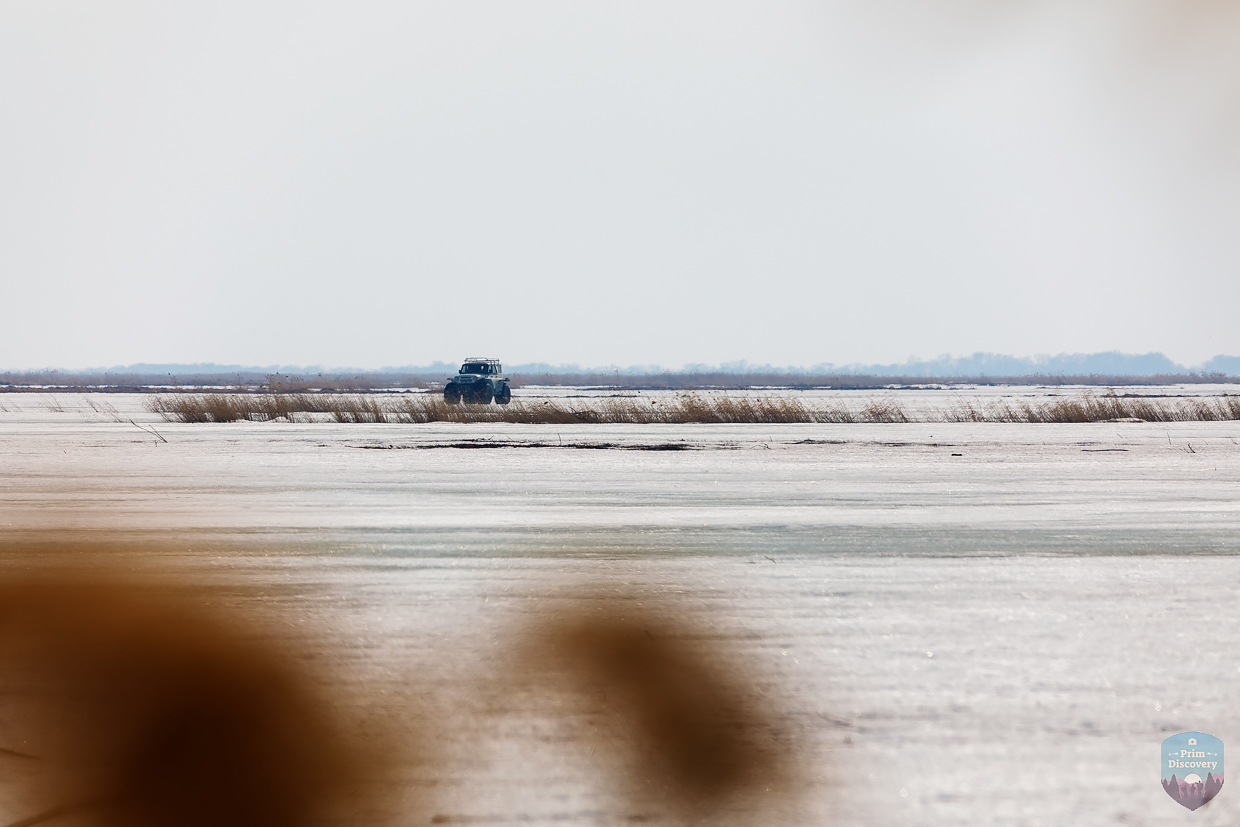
column 255, row 382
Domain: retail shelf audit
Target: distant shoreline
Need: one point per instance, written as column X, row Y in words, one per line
column 53, row 382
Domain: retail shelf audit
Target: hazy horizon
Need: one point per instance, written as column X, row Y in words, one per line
column 978, row 364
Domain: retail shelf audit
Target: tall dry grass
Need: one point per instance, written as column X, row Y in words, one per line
column 1092, row 407
column 234, row 407
column 684, row 408
column 425, row 408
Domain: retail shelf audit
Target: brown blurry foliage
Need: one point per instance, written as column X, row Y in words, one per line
column 142, row 708
column 134, row 696
column 700, row 733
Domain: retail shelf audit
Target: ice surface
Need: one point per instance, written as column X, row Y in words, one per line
column 1000, row 637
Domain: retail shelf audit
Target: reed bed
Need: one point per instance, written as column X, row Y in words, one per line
column 1092, row 407
column 234, row 407
column 425, row 408
column 680, row 409
column 684, row 408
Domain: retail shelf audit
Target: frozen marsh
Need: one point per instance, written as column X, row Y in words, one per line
column 963, row 623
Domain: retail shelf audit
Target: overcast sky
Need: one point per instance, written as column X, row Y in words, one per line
column 370, row 184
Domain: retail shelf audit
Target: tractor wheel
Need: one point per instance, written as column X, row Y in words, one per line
column 451, row 394
column 504, row 396
column 482, row 396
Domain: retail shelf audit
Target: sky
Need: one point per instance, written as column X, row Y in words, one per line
column 654, row 183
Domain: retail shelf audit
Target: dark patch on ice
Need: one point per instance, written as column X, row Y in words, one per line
column 837, row 722
column 884, row 444
column 1103, row 450
column 581, row 446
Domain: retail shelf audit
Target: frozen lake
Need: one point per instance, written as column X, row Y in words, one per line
column 965, row 623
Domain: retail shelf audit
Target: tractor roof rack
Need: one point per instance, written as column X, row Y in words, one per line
column 482, row 359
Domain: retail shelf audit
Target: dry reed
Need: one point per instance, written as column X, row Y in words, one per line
column 425, row 408
column 234, row 407
column 1091, row 407
column 683, row 408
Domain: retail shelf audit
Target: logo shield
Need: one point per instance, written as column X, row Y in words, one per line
column 1192, row 768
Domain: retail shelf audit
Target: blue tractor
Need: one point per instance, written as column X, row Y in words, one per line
column 478, row 382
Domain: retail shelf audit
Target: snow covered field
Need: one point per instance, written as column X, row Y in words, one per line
column 964, row 623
